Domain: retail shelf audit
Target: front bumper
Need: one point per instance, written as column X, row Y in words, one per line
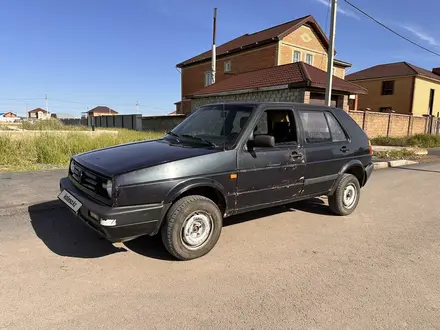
column 131, row 221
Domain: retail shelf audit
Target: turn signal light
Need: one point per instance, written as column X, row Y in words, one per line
column 371, row 147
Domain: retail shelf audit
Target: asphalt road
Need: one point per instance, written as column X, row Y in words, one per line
column 284, row 268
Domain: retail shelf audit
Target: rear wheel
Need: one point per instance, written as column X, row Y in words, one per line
column 346, row 196
column 192, row 227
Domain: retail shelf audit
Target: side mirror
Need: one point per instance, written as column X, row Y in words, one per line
column 264, row 141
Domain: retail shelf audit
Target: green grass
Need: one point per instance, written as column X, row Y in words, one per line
column 418, row 140
column 35, row 152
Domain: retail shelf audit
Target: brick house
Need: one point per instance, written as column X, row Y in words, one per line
column 39, row 113
column 399, row 87
column 300, row 40
column 101, row 111
column 294, row 82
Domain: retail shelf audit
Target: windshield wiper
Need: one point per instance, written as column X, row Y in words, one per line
column 175, row 135
column 212, row 144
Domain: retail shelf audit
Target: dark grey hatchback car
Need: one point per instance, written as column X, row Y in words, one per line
column 224, row 159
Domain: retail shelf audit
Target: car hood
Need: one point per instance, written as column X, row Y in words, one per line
column 138, row 155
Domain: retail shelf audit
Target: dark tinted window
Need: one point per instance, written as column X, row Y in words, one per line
column 315, row 126
column 336, row 130
column 388, row 87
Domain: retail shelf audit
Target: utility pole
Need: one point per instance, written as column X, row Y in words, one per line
column 213, row 68
column 47, row 103
column 137, row 106
column 331, row 54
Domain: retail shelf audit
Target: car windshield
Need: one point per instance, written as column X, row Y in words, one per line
column 214, row 125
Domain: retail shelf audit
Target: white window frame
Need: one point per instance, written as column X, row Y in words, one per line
column 307, row 57
column 227, row 66
column 293, row 56
column 208, row 78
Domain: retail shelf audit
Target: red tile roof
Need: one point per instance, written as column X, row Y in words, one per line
column 297, row 74
column 272, row 34
column 37, row 110
column 391, row 70
column 102, row 109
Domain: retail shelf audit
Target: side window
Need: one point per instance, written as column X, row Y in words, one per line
column 278, row 123
column 315, row 127
column 336, row 130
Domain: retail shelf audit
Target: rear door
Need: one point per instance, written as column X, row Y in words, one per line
column 272, row 174
column 327, row 148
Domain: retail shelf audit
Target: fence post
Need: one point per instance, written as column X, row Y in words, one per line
column 364, row 121
column 410, row 124
column 389, row 125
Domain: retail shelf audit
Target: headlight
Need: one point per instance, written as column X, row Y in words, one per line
column 109, row 187
column 72, row 167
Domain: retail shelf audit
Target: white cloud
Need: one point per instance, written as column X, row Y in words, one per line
column 422, row 35
column 340, row 10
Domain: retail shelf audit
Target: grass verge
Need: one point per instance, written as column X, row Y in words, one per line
column 396, row 154
column 53, row 151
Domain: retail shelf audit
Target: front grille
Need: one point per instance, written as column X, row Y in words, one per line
column 88, row 179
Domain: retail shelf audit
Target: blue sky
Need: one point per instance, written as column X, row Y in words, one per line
column 84, row 53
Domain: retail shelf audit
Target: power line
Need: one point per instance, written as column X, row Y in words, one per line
column 391, row 30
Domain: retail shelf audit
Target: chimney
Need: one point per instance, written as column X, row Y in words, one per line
column 436, row 71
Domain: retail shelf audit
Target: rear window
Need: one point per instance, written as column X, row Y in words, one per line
column 316, row 129
column 338, row 134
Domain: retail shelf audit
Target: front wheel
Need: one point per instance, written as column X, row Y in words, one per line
column 192, row 227
column 346, row 196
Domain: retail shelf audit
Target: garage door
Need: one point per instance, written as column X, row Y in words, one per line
column 319, row 98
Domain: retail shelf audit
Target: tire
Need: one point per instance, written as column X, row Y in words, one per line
column 201, row 220
column 340, row 202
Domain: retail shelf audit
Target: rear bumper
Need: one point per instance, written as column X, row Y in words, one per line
column 368, row 170
column 130, row 221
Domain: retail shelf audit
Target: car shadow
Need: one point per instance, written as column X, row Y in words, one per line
column 66, row 235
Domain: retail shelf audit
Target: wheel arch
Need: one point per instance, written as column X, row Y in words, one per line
column 354, row 167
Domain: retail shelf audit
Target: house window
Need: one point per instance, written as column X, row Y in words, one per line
column 227, row 67
column 386, row 109
column 208, row 78
column 388, row 87
column 309, row 59
column 296, row 56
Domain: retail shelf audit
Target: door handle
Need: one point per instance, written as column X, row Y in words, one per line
column 296, row 155
column 344, row 149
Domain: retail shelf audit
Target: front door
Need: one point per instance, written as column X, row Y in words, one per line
column 272, row 174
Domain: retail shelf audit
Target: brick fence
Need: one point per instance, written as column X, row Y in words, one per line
column 396, row 125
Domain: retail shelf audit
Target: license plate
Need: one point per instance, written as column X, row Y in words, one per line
column 70, row 201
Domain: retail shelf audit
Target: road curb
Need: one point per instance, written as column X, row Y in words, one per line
column 393, row 163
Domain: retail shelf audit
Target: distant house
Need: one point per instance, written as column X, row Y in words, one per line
column 39, row 113
column 101, row 111
column 8, row 116
column 399, row 87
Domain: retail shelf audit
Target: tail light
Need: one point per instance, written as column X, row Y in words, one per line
column 370, row 147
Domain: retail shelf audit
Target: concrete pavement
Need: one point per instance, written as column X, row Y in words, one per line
column 294, row 267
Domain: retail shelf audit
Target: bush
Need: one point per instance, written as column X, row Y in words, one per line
column 424, row 141
column 389, row 141
column 418, row 140
column 51, row 125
